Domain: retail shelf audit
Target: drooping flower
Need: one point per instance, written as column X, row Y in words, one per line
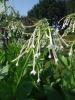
column 33, row 46
column 37, row 55
column 33, row 38
column 71, row 51
column 38, row 80
column 73, row 27
column 56, row 60
column 33, row 72
column 55, row 55
column 17, row 64
column 49, row 56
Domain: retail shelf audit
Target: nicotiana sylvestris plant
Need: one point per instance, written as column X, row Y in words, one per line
column 43, row 37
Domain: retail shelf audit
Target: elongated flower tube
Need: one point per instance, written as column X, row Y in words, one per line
column 73, row 27
column 33, row 70
column 50, row 38
column 38, row 80
column 70, row 53
column 55, row 55
column 33, row 38
column 38, row 44
column 37, row 55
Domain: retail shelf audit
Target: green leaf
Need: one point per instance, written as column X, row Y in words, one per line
column 24, row 90
column 63, row 60
column 4, row 71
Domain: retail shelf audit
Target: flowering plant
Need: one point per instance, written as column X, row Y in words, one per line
column 38, row 63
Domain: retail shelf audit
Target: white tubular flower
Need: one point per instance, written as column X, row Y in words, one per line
column 17, row 64
column 50, row 37
column 56, row 60
column 71, row 51
column 70, row 54
column 50, row 46
column 55, row 56
column 39, row 53
column 65, row 23
column 36, row 55
column 49, row 56
column 38, row 44
column 33, row 37
column 38, row 80
column 73, row 27
column 33, row 72
column 63, row 26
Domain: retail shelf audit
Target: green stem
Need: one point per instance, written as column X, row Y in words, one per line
column 22, row 71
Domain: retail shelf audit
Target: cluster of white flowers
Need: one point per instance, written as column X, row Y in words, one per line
column 69, row 24
column 42, row 39
column 66, row 22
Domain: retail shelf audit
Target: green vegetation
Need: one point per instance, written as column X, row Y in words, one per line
column 53, row 10
column 39, row 65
